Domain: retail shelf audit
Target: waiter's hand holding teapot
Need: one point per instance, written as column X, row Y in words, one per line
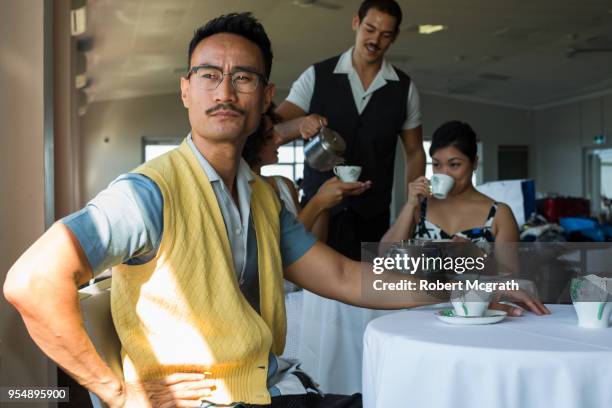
column 311, row 124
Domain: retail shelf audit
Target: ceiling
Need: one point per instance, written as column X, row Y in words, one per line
column 509, row 52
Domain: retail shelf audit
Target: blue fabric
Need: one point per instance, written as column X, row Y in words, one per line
column 570, row 224
column 272, row 369
column 121, row 224
column 236, row 215
column 529, row 200
column 124, row 224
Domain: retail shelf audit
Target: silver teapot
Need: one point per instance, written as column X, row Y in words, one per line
column 325, row 150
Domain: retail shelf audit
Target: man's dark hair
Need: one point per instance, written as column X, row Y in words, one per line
column 242, row 24
column 386, row 6
column 255, row 141
column 457, row 134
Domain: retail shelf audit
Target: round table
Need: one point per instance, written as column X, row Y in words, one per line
column 411, row 359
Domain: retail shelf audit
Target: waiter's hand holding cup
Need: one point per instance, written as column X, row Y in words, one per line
column 311, row 124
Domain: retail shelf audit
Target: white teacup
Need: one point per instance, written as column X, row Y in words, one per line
column 593, row 315
column 470, row 309
column 441, row 185
column 348, row 174
column 590, row 296
column 472, row 303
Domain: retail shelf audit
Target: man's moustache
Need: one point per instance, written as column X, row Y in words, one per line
column 224, row 106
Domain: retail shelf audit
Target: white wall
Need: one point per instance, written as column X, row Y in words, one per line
column 124, row 122
column 494, row 124
column 559, row 152
column 562, row 133
column 66, row 132
column 22, row 173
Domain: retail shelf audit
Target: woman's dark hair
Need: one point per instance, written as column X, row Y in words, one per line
column 242, row 24
column 456, row 134
column 253, row 144
column 386, row 6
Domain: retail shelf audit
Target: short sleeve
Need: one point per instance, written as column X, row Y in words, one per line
column 295, row 240
column 123, row 223
column 303, row 89
column 413, row 116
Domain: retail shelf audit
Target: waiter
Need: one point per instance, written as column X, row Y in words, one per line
column 370, row 103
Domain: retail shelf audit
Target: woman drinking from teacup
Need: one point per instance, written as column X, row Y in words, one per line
column 448, row 206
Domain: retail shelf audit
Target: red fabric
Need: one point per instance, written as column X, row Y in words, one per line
column 554, row 208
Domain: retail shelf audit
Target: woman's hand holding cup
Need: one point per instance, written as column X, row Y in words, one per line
column 417, row 191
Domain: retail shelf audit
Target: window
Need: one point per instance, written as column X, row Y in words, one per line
column 290, row 162
column 476, row 177
column 290, row 158
column 153, row 147
column 606, row 172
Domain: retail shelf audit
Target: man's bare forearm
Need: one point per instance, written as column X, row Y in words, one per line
column 330, row 274
column 42, row 285
column 287, row 131
column 360, row 279
column 63, row 338
column 292, row 116
column 415, row 167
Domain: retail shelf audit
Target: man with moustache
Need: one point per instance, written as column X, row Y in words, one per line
column 369, row 103
column 199, row 247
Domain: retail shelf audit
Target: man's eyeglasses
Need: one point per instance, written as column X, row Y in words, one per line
column 209, row 78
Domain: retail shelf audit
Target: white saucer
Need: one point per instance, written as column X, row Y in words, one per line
column 491, row 316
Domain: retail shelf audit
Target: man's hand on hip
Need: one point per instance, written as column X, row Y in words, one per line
column 176, row 390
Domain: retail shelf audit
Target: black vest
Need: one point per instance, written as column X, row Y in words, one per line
column 371, row 137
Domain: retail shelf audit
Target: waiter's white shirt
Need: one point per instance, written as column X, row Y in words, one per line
column 303, row 88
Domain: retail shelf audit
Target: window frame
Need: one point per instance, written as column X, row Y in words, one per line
column 157, row 140
column 296, row 145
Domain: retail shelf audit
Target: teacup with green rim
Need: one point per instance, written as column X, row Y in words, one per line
column 591, row 299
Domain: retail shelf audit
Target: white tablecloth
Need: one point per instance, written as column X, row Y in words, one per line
column 331, row 342
column 293, row 308
column 411, row 359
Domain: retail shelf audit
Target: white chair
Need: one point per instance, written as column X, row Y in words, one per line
column 95, row 305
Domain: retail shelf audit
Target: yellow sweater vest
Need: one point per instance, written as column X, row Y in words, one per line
column 183, row 311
